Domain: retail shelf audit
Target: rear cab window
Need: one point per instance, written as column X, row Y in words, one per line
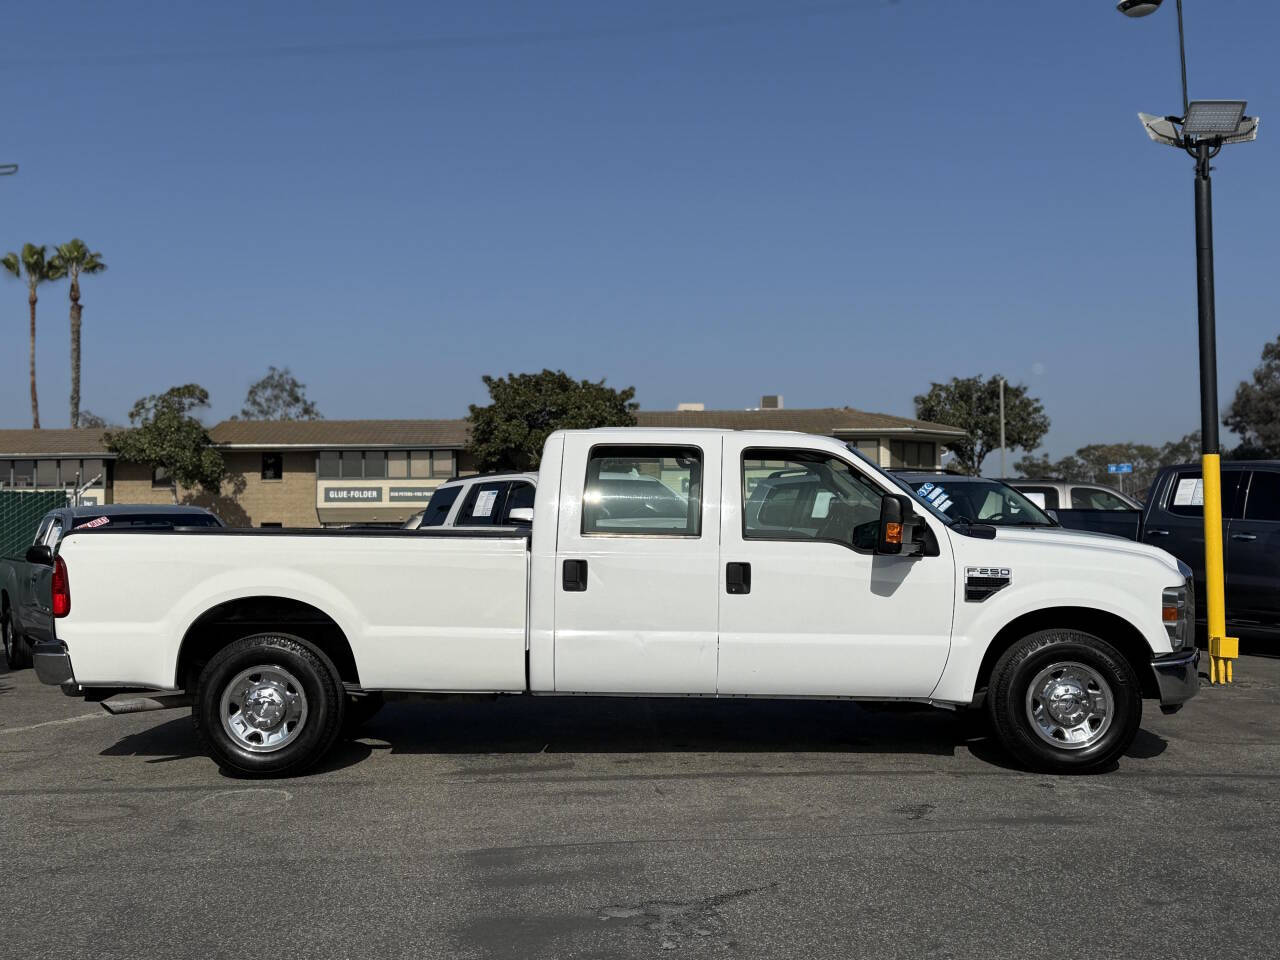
column 439, row 505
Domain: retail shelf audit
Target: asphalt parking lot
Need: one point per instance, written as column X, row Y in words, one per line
column 631, row 828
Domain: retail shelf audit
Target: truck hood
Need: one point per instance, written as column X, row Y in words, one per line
column 1058, row 537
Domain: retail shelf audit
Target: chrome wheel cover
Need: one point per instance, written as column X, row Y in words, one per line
column 1069, row 705
column 263, row 709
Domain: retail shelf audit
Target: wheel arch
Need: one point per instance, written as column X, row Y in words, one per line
column 230, row 620
column 1107, row 626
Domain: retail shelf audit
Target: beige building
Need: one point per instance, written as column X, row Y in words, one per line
column 338, row 472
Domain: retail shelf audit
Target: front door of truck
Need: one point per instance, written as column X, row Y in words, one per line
column 802, row 612
column 636, row 568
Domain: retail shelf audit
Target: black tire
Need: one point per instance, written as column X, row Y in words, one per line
column 360, row 710
column 269, row 662
column 17, row 652
column 1025, row 672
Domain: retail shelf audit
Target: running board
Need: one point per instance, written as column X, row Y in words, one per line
column 147, row 704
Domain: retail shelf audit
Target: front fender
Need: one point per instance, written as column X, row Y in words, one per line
column 977, row 624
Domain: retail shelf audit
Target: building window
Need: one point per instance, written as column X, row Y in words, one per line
column 419, row 464
column 327, row 465
column 442, row 463
column 160, row 477
column 398, row 464
column 912, row 455
column 869, row 447
column 351, row 465
column 272, row 466
column 46, row 473
column 24, row 473
column 375, row 465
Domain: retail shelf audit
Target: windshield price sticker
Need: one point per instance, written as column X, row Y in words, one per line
column 484, row 503
column 935, row 495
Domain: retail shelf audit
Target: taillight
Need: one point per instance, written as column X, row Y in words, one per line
column 61, row 588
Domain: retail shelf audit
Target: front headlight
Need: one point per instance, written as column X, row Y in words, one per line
column 1178, row 611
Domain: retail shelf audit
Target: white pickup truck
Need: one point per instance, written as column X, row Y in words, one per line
column 659, row 563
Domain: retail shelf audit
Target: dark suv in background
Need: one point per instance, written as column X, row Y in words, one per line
column 1174, row 520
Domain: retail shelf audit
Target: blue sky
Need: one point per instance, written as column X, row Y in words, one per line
column 836, row 201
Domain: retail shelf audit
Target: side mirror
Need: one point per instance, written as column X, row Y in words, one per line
column 897, row 517
column 40, row 554
column 521, row 516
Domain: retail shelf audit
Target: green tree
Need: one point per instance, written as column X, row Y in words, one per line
column 71, row 260
column 1254, row 413
column 526, row 408
column 91, row 421
column 973, row 405
column 165, row 433
column 32, row 263
column 278, row 396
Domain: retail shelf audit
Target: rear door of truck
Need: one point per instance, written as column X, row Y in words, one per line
column 637, row 555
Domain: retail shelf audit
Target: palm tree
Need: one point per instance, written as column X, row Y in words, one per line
column 71, row 260
column 32, row 262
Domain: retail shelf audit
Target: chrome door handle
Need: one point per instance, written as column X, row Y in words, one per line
column 1244, row 536
column 1158, row 533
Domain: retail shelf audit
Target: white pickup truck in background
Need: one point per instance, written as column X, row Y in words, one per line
column 659, row 563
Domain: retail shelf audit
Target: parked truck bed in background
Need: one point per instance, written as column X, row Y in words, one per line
column 26, row 614
column 658, row 563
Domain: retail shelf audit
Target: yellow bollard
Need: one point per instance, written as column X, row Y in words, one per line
column 1222, row 649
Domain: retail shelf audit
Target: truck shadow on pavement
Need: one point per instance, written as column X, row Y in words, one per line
column 598, row 725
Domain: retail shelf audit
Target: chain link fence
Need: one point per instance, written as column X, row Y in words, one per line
column 20, row 513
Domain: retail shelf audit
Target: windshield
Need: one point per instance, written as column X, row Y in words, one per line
column 980, row 501
column 899, row 482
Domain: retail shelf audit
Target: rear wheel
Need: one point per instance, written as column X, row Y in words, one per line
column 270, row 704
column 1065, row 701
column 17, row 653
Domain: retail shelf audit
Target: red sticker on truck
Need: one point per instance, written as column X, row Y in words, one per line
column 95, row 522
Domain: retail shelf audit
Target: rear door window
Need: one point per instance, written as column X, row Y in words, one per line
column 1264, row 497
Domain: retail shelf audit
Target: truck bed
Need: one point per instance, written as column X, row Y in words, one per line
column 432, row 610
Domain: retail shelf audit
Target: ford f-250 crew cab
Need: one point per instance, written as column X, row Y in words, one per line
column 659, row 563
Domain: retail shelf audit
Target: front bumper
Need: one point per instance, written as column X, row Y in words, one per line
column 52, row 663
column 1177, row 677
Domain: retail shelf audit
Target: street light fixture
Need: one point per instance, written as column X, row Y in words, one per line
column 8, row 168
column 1203, row 129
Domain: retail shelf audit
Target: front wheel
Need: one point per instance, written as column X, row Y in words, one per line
column 1064, row 701
column 17, row 654
column 270, row 704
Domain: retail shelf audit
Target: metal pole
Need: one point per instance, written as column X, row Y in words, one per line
column 1002, row 470
column 1182, row 54
column 1222, row 649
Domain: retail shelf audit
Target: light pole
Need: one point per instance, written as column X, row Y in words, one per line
column 1002, row 470
column 1203, row 129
